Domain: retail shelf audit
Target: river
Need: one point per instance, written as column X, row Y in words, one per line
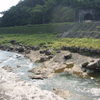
column 82, row 89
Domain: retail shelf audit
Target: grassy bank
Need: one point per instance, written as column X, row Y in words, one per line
column 49, row 39
column 45, row 34
column 38, row 28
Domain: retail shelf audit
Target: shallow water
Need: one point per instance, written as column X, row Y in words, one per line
column 82, row 89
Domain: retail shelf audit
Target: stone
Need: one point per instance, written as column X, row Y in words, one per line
column 85, row 64
column 61, row 92
column 69, row 65
column 48, row 52
column 58, row 51
column 42, row 51
column 20, row 49
column 94, row 65
column 89, row 71
column 36, row 77
column 83, row 69
column 38, row 70
column 18, row 66
column 13, row 42
column 42, row 59
column 68, row 56
column 35, row 47
column 62, row 68
column 47, row 74
column 7, row 68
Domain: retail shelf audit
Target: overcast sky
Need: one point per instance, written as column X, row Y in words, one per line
column 6, row 4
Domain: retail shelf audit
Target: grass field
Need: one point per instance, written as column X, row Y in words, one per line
column 49, row 39
column 28, row 37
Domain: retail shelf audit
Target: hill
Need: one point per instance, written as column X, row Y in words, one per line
column 45, row 11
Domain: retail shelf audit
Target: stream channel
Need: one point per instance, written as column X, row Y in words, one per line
column 81, row 89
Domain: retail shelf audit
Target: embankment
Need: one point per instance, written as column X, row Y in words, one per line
column 84, row 30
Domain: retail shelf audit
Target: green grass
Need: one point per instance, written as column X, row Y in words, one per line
column 45, row 34
column 38, row 28
column 49, row 39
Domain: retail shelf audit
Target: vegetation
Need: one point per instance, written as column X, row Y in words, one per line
column 40, row 39
column 28, row 12
column 38, row 28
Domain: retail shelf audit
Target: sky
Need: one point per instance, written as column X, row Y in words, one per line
column 6, row 4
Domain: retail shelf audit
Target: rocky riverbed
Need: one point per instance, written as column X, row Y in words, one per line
column 64, row 61
column 14, row 88
column 52, row 63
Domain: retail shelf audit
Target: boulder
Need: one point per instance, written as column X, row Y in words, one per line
column 61, row 92
column 69, row 65
column 94, row 65
column 58, row 51
column 13, row 42
column 36, row 77
column 47, row 74
column 48, row 52
column 42, row 51
column 85, row 64
column 20, row 49
column 10, row 48
column 89, row 71
column 38, row 70
column 62, row 68
column 8, row 68
column 42, row 59
column 68, row 56
column 83, row 69
column 27, row 51
column 18, row 66
column 35, row 47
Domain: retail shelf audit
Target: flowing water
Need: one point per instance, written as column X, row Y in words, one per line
column 82, row 89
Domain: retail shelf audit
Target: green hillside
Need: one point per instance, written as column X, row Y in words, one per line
column 28, row 12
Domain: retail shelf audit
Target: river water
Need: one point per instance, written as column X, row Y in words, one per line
column 81, row 89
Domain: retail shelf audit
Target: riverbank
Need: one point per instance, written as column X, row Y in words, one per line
column 14, row 88
column 63, row 61
column 57, row 60
column 53, row 61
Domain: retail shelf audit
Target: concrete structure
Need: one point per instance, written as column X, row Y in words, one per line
column 86, row 14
